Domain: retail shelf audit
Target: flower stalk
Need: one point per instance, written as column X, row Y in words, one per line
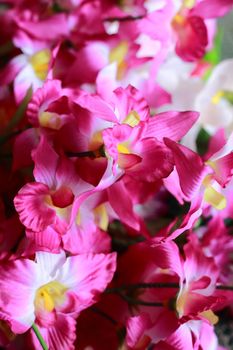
column 39, row 337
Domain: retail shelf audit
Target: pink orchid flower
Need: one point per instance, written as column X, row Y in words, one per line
column 52, row 290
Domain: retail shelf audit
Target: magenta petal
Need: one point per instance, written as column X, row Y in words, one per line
column 123, row 206
column 172, row 184
column 30, row 203
column 89, row 275
column 223, row 169
column 77, row 241
column 128, row 100
column 126, row 161
column 188, row 221
column 98, row 106
column 173, row 125
column 216, row 143
column 17, row 280
column 60, row 335
column 212, row 8
column 46, row 160
column 202, row 283
column 136, row 327
column 47, row 240
column 57, row 24
column 157, row 161
column 192, row 39
column 167, row 256
column 190, row 168
column 198, row 303
column 181, row 339
column 43, row 96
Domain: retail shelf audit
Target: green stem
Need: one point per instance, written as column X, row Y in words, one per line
column 81, row 154
column 92, row 154
column 123, row 19
column 142, row 285
column 224, row 287
column 133, row 301
column 130, row 287
column 39, row 337
column 103, row 314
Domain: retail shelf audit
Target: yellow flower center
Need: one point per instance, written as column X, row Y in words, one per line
column 189, row 3
column 181, row 301
column 118, row 55
column 210, row 316
column 101, row 217
column 49, row 296
column 123, row 147
column 40, row 63
column 96, row 141
column 222, row 94
column 211, row 196
column 132, row 119
column 50, row 120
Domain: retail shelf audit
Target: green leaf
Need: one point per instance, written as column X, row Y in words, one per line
column 214, row 55
column 202, row 141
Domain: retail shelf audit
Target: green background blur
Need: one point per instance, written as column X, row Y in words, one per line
column 226, row 25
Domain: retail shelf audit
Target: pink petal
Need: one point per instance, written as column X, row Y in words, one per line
column 78, row 241
column 197, row 265
column 126, row 161
column 106, row 181
column 68, row 179
column 155, row 94
column 198, row 303
column 46, row 160
column 188, row 220
column 172, row 184
column 212, row 8
column 181, row 339
column 30, row 203
column 173, row 125
column 192, row 39
column 128, row 100
column 217, row 142
column 47, row 240
column 57, row 24
column 99, row 107
column 17, row 280
column 190, row 168
column 223, row 169
column 157, row 161
column 167, row 256
column 202, row 283
column 60, row 335
column 81, row 274
column 84, row 57
column 50, row 91
column 136, row 327
column 123, row 206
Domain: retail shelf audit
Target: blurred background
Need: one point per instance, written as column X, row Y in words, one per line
column 224, row 328
column 226, row 25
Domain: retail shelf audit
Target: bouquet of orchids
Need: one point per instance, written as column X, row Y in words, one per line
column 116, row 166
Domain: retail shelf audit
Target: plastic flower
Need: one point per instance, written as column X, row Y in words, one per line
column 51, row 285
